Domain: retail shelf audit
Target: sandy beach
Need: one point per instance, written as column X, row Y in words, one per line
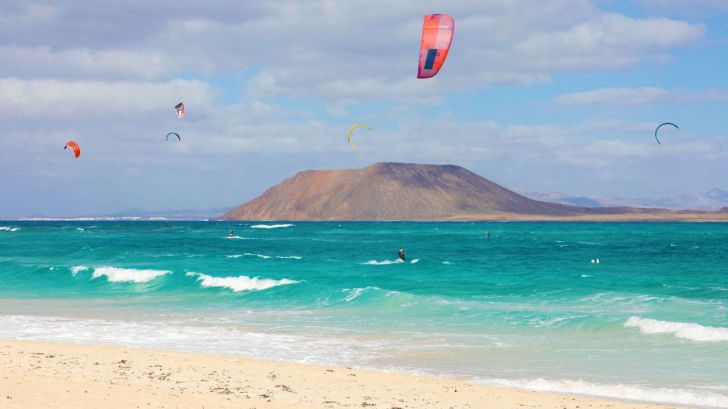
column 42, row 375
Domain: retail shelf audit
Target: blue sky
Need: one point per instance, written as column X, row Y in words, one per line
column 536, row 95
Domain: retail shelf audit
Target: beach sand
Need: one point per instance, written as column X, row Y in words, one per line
column 42, row 375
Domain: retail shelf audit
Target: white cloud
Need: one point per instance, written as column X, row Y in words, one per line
column 640, row 96
column 493, row 44
column 80, row 63
column 340, row 51
column 614, row 96
column 684, row 6
column 27, row 13
column 608, row 41
column 95, row 100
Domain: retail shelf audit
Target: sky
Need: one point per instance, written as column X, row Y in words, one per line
column 538, row 95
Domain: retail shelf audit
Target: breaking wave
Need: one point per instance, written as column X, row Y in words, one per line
column 354, row 293
column 127, row 275
column 684, row 330
column 240, row 283
column 279, row 257
column 256, row 255
column 619, row 391
column 270, row 226
column 76, row 269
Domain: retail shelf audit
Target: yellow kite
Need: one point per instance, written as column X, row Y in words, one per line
column 353, row 147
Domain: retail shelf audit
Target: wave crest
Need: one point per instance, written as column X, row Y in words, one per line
column 279, row 257
column 76, row 269
column 619, row 391
column 270, row 226
column 126, row 275
column 684, row 330
column 240, row 283
column 8, row 228
column 354, row 293
column 256, row 255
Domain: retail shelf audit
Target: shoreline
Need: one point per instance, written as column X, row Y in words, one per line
column 709, row 217
column 60, row 375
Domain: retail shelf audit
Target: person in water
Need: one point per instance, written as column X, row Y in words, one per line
column 231, row 234
column 402, row 256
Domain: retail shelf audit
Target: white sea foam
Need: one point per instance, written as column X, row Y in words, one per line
column 76, row 269
column 264, row 256
column 270, row 226
column 586, row 275
column 684, row 330
column 236, row 238
column 415, row 261
column 256, row 255
column 8, row 228
column 194, row 334
column 191, row 335
column 240, row 283
column 127, row 275
column 383, row 263
column 354, row 293
column 446, row 262
column 619, row 391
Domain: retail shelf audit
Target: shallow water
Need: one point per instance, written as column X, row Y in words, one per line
column 528, row 307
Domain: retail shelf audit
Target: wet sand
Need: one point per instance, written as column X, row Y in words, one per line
column 41, row 375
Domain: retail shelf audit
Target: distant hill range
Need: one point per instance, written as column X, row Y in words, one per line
column 405, row 191
column 711, row 200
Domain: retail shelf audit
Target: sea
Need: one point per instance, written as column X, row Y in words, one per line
column 634, row 311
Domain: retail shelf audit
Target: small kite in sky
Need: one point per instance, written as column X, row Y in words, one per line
column 74, row 147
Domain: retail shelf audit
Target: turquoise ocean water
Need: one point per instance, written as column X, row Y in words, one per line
column 528, row 307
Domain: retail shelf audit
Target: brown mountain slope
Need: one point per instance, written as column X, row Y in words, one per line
column 402, row 191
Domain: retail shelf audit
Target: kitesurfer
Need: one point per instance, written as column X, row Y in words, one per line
column 402, row 256
column 231, row 233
